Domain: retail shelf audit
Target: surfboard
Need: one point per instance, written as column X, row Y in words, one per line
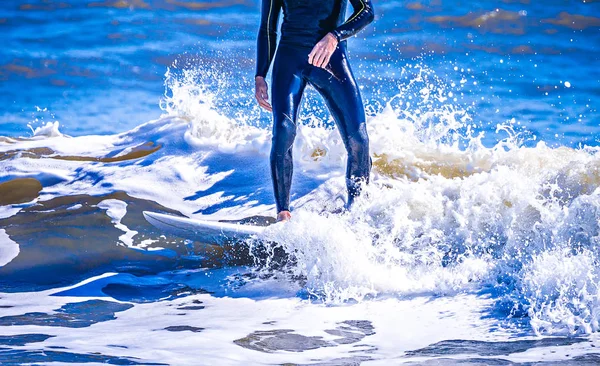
column 205, row 231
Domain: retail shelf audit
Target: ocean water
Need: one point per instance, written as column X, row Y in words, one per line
column 476, row 242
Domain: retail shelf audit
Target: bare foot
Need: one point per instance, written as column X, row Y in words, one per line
column 284, row 216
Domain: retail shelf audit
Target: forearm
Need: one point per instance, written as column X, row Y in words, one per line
column 362, row 16
column 265, row 50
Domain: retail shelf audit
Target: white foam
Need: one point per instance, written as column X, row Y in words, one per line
column 444, row 213
column 8, row 248
column 397, row 325
column 562, row 291
column 116, row 210
column 50, row 129
column 8, row 211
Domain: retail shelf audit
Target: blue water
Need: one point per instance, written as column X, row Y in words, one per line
column 97, row 67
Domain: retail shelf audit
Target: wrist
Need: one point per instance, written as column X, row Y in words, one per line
column 335, row 36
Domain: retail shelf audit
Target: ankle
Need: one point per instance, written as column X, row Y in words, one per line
column 284, row 216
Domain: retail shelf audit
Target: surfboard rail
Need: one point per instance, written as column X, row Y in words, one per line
column 206, row 231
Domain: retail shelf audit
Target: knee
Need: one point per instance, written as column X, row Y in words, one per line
column 358, row 142
column 283, row 137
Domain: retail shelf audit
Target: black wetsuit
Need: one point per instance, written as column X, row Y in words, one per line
column 305, row 22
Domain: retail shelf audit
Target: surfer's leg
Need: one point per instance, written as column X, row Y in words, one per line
column 287, row 88
column 338, row 87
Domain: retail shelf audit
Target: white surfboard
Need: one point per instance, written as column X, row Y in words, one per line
column 205, row 231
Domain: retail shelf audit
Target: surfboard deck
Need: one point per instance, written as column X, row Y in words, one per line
column 206, row 231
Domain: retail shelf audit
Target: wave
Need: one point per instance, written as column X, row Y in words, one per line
column 444, row 214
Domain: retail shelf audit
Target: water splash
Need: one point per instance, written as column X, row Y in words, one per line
column 443, row 214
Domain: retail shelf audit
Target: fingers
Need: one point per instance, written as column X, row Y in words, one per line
column 322, row 59
column 266, row 106
column 319, row 56
column 262, row 98
column 263, row 103
column 322, row 51
column 261, row 94
column 315, row 55
column 318, row 59
column 326, row 61
column 312, row 53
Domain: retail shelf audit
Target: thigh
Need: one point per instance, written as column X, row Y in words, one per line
column 337, row 85
column 287, row 86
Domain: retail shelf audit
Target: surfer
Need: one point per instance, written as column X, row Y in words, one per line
column 312, row 50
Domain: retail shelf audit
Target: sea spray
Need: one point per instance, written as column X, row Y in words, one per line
column 444, row 213
column 562, row 292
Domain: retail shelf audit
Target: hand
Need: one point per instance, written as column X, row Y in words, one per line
column 322, row 51
column 261, row 94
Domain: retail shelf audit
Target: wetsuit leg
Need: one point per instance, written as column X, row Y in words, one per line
column 287, row 88
column 338, row 87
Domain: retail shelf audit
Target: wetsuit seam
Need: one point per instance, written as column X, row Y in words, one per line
column 362, row 4
column 269, row 31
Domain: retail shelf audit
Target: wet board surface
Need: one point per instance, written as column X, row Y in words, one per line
column 206, row 231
